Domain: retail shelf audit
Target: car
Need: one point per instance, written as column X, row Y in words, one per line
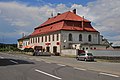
column 85, row 57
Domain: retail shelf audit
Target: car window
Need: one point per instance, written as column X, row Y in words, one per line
column 82, row 54
column 89, row 54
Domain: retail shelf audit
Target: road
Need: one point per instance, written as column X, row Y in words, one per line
column 23, row 67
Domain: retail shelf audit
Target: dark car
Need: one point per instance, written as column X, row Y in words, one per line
column 85, row 57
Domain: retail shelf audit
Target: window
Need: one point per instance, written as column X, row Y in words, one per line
column 70, row 37
column 53, row 37
column 38, row 39
column 57, row 37
column 49, row 37
column 33, row 40
column 45, row 38
column 80, row 37
column 89, row 38
column 42, row 38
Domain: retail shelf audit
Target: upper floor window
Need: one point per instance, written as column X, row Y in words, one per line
column 53, row 37
column 80, row 37
column 42, row 39
column 38, row 39
column 45, row 38
column 70, row 37
column 89, row 38
column 57, row 37
column 49, row 37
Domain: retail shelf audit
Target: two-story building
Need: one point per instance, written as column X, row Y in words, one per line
column 64, row 31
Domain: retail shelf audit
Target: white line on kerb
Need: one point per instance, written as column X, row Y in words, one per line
column 80, row 69
column 14, row 61
column 109, row 74
column 61, row 65
column 47, row 74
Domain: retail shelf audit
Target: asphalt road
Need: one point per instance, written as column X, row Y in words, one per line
column 22, row 67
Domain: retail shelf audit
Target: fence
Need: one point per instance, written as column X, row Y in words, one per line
column 110, row 53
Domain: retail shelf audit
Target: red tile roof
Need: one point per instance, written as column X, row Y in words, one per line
column 57, row 23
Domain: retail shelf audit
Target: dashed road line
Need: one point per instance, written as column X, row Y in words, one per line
column 80, row 69
column 109, row 74
column 61, row 65
column 1, row 57
column 47, row 74
column 14, row 61
column 48, row 62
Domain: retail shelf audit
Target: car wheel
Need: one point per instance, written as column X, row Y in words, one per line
column 77, row 58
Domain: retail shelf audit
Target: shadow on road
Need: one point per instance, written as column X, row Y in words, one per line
column 7, row 62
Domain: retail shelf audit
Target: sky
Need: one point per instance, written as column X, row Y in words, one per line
column 22, row 16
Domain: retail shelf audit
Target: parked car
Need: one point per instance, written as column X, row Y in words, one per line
column 85, row 57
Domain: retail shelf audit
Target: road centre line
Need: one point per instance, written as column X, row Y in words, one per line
column 14, row 61
column 48, row 74
column 47, row 62
column 61, row 65
column 80, row 69
column 109, row 74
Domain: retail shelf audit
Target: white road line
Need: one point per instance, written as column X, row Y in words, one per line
column 48, row 62
column 47, row 74
column 14, row 61
column 109, row 74
column 80, row 69
column 61, row 65
column 1, row 57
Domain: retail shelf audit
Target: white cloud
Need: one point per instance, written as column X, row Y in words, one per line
column 23, row 18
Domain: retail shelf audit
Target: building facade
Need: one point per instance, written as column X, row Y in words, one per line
column 64, row 31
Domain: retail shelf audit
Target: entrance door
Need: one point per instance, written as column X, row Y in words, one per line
column 55, row 49
column 47, row 49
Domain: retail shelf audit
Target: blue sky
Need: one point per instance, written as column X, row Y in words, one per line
column 22, row 16
column 42, row 2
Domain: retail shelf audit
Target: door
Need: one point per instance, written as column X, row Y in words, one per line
column 55, row 49
column 47, row 49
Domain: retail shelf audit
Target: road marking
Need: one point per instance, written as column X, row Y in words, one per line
column 48, row 62
column 47, row 74
column 80, row 69
column 1, row 57
column 14, row 61
column 109, row 74
column 61, row 65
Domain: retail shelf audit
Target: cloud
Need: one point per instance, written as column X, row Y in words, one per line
column 20, row 17
column 107, row 17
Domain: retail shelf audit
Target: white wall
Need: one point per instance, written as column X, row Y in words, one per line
column 75, row 35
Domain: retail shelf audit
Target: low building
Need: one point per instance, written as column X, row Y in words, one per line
column 64, row 31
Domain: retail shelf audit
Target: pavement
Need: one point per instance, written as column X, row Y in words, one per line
column 24, row 67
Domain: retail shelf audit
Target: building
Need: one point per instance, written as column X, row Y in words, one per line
column 64, row 31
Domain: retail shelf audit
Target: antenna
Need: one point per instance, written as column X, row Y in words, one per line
column 52, row 14
column 23, row 34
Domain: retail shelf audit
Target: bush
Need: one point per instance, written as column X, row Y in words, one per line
column 28, row 50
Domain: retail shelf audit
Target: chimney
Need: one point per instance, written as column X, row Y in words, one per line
column 58, row 14
column 74, row 11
